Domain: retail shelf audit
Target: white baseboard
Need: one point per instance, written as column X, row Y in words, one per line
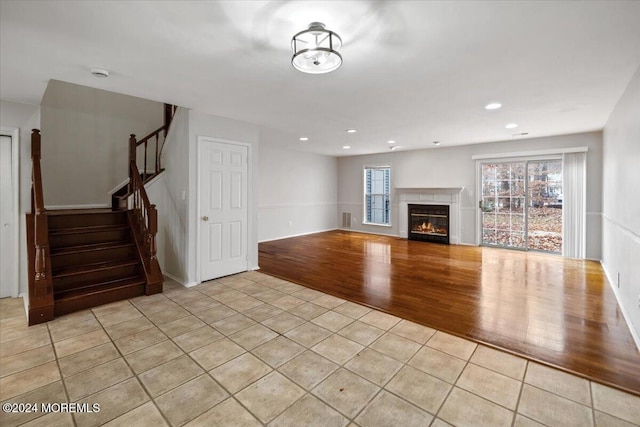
column 627, row 319
column 118, row 187
column 180, row 281
column 295, row 235
column 25, row 301
column 368, row 232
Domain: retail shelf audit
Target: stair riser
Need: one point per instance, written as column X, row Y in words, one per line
column 60, row 241
column 76, row 281
column 86, row 220
column 91, row 257
column 96, row 299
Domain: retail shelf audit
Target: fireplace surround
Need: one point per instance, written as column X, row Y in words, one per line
column 450, row 196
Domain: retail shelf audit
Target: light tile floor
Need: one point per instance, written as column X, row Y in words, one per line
column 252, row 350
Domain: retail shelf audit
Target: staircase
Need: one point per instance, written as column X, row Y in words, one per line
column 94, row 259
column 83, row 258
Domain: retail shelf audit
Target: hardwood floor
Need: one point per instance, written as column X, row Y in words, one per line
column 558, row 311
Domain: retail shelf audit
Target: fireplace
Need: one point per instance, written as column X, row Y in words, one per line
column 429, row 223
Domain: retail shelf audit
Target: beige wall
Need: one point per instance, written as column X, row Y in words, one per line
column 298, row 191
column 85, row 134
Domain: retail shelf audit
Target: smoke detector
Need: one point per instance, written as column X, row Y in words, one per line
column 99, row 72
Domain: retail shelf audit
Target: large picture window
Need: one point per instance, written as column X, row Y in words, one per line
column 377, row 189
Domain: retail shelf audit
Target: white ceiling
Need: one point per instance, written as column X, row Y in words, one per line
column 413, row 71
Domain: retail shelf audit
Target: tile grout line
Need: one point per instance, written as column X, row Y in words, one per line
column 524, row 375
column 135, row 375
column 64, row 384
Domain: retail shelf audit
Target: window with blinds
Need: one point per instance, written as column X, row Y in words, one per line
column 377, row 191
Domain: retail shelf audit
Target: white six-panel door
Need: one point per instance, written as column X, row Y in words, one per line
column 8, row 255
column 223, row 172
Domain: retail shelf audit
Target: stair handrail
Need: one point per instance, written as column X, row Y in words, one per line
column 145, row 214
column 169, row 111
column 143, row 218
column 40, row 280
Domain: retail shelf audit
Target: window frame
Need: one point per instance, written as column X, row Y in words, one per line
column 365, row 194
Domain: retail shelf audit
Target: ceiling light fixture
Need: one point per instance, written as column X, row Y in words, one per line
column 99, row 72
column 493, row 106
column 351, row 131
column 346, row 147
column 436, row 142
column 391, row 141
column 304, row 138
column 315, row 50
column 395, row 147
column 511, row 126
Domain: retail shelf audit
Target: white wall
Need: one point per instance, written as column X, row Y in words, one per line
column 621, row 202
column 24, row 117
column 85, row 141
column 298, row 191
column 173, row 208
column 454, row 167
column 201, row 124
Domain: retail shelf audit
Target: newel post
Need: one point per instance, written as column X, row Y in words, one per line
column 133, row 144
column 36, row 144
column 153, row 230
column 40, row 282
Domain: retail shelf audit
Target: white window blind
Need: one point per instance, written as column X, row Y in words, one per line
column 574, row 211
column 377, row 189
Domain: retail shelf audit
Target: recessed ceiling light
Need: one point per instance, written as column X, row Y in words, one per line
column 304, row 138
column 351, row 131
column 391, row 141
column 99, row 72
column 493, row 106
column 511, row 126
column 346, row 147
column 436, row 142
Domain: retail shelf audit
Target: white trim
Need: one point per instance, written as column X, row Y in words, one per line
column 180, row 281
column 293, row 205
column 627, row 319
column 364, row 193
column 14, row 134
column 117, row 187
column 627, row 230
column 62, row 207
column 430, row 190
column 250, row 205
column 297, row 235
column 351, row 230
column 554, row 151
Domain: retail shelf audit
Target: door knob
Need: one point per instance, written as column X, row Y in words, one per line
column 205, row 218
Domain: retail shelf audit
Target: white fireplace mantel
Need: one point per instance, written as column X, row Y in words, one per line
column 430, row 196
column 430, row 190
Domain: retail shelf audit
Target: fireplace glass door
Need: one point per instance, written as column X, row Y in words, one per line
column 429, row 223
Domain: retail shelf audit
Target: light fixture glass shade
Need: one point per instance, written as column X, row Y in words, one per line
column 315, row 50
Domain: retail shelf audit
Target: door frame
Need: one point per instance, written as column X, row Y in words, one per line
column 522, row 158
column 14, row 134
column 249, row 237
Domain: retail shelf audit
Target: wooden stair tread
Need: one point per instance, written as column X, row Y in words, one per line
column 65, row 250
column 113, row 285
column 87, row 229
column 99, row 266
